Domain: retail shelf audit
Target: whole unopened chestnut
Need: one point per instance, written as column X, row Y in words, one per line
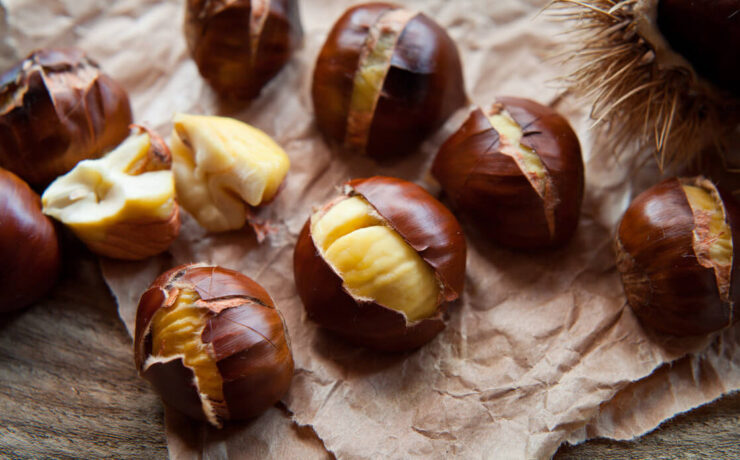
column 677, row 249
column 240, row 45
column 212, row 344
column 378, row 264
column 385, row 79
column 28, row 245
column 57, row 109
column 516, row 171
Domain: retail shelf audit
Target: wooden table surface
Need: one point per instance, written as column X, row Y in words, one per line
column 69, row 389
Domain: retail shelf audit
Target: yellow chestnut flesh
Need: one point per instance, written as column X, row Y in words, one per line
column 373, row 260
column 712, row 238
column 527, row 159
column 99, row 194
column 222, row 166
column 177, row 331
column 375, row 60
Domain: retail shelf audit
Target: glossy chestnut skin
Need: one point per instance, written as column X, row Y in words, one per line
column 28, row 245
column 235, row 56
column 490, row 188
column 423, row 86
column 703, row 31
column 246, row 334
column 58, row 109
column 666, row 286
column 427, row 226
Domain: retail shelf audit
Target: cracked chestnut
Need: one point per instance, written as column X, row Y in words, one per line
column 385, row 79
column 677, row 249
column 212, row 344
column 378, row 264
column 240, row 45
column 515, row 170
column 28, row 245
column 57, row 108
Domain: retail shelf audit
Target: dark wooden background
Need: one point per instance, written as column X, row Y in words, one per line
column 69, row 389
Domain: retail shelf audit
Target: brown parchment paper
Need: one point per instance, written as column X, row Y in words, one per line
column 541, row 348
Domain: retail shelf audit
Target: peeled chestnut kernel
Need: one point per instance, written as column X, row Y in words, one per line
column 223, row 167
column 677, row 255
column 385, row 79
column 212, row 344
column 240, row 45
column 378, row 264
column 516, row 171
column 122, row 205
column 28, row 245
column 57, row 108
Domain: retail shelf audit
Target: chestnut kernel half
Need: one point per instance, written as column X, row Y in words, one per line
column 677, row 250
column 57, row 108
column 212, row 344
column 240, row 45
column 516, row 171
column 224, row 168
column 378, row 264
column 122, row 205
column 28, row 245
column 385, row 79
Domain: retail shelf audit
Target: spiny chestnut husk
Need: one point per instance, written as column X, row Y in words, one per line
column 212, row 344
column 378, row 264
column 57, row 108
column 28, row 245
column 240, row 45
column 385, row 79
column 677, row 250
column 122, row 205
column 662, row 74
column 516, row 171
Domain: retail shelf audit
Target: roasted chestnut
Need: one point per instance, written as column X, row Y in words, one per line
column 378, row 264
column 516, row 171
column 28, row 245
column 223, row 169
column 212, row 344
column 240, row 45
column 677, row 251
column 57, row 108
column 122, row 205
column 385, row 79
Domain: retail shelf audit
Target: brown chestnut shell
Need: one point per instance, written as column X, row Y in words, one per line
column 57, row 109
column 234, row 58
column 490, row 188
column 427, row 226
column 248, row 337
column 28, row 245
column 666, row 286
column 422, row 88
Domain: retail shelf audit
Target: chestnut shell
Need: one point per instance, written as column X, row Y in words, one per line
column 665, row 285
column 28, row 245
column 490, row 189
column 248, row 337
column 218, row 34
column 423, row 87
column 58, row 109
column 427, row 226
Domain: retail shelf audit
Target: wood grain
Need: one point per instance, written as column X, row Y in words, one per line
column 69, row 389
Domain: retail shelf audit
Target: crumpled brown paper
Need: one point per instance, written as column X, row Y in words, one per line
column 541, row 349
